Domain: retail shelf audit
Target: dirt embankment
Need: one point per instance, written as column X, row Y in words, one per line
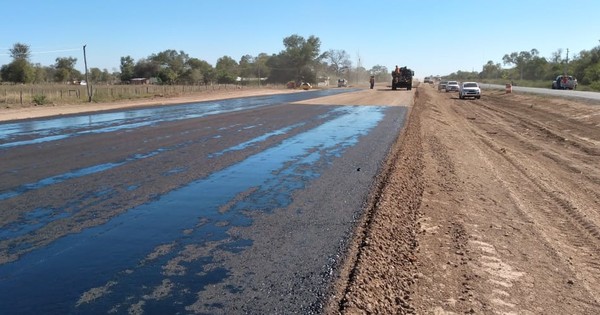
column 488, row 206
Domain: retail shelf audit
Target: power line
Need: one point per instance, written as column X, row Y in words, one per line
column 54, row 51
column 43, row 52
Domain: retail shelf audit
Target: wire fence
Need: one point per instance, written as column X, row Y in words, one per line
column 72, row 94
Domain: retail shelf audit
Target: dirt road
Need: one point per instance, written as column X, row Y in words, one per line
column 488, row 206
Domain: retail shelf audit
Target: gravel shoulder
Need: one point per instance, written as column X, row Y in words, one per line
column 488, row 206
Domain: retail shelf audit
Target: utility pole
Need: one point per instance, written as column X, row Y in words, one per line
column 88, row 85
column 566, row 63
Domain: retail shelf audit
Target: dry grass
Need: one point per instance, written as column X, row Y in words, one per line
column 12, row 96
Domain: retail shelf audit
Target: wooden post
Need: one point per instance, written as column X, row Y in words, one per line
column 88, row 85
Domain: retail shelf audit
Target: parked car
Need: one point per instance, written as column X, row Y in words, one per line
column 469, row 89
column 452, row 86
column 342, row 83
column 305, row 86
column 564, row 82
column 442, row 85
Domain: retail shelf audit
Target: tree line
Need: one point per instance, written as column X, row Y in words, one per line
column 529, row 65
column 300, row 60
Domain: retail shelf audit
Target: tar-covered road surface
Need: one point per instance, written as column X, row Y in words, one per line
column 233, row 206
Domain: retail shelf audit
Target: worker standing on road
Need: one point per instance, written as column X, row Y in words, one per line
column 372, row 81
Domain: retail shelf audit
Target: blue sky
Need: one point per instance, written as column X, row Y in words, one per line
column 431, row 37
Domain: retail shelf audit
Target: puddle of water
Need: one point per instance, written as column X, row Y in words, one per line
column 54, row 277
column 44, row 130
column 23, row 226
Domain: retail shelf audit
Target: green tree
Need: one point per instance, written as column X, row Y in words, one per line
column 260, row 65
column 127, row 68
column 173, row 60
column 245, row 67
column 491, row 70
column 254, row 67
column 20, row 51
column 520, row 60
column 96, row 75
column 227, row 70
column 20, row 69
column 585, row 60
column 41, row 74
column 298, row 62
column 198, row 71
column 146, row 68
column 302, row 55
column 65, row 69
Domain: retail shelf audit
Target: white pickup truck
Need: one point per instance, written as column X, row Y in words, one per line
column 564, row 82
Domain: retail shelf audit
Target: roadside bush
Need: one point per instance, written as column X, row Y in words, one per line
column 595, row 85
column 39, row 99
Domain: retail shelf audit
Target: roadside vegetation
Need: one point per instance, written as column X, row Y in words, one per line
column 173, row 72
column 531, row 69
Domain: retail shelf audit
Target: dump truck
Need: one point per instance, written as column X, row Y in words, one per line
column 402, row 78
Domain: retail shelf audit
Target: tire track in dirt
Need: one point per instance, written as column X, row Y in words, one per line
column 521, row 260
column 580, row 236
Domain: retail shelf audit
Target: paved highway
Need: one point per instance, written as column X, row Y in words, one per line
column 240, row 205
column 563, row 93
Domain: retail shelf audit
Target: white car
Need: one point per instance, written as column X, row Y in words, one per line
column 452, row 86
column 469, row 89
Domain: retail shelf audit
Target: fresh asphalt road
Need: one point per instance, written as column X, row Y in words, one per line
column 241, row 205
column 568, row 93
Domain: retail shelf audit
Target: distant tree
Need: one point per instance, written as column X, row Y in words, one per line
column 281, row 70
column 380, row 72
column 338, row 60
column 20, row 51
column 146, row 68
column 245, row 67
column 197, row 71
column 127, row 68
column 520, row 60
column 40, row 74
column 491, row 70
column 226, row 70
column 167, row 75
column 65, row 69
column 260, row 65
column 583, row 67
column 303, row 54
column 95, row 75
column 20, row 69
column 254, row 67
column 298, row 61
column 173, row 60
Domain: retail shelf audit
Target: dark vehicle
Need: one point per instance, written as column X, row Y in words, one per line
column 402, row 78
